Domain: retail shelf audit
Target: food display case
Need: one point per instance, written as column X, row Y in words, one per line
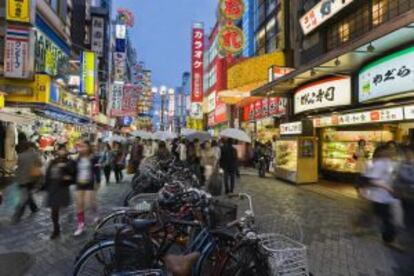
column 339, row 147
column 296, row 160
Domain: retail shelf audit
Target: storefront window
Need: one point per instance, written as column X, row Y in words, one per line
column 261, row 15
column 378, row 12
column 344, row 32
column 261, row 40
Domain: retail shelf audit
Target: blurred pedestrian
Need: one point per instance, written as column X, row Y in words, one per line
column 193, row 160
column 137, row 154
column 381, row 193
column 209, row 160
column 59, row 176
column 85, row 184
column 148, row 148
column 216, row 148
column 228, row 162
column 182, row 150
column 118, row 161
column 28, row 174
column 174, row 149
column 107, row 162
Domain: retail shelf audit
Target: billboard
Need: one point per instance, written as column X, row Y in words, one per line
column 88, row 74
column 197, row 63
column 98, row 35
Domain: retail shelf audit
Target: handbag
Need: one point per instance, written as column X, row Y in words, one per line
column 36, row 171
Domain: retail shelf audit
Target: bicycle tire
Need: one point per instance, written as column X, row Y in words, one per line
column 121, row 216
column 239, row 262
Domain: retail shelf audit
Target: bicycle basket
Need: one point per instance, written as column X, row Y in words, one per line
column 286, row 257
column 286, row 225
column 144, row 202
column 222, row 212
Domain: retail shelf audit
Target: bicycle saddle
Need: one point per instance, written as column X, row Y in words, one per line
column 143, row 224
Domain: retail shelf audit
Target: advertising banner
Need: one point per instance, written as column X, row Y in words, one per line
column 49, row 58
column 19, row 11
column 320, row 13
column 120, row 31
column 116, row 99
column 276, row 72
column 389, row 76
column 130, row 99
column 18, row 61
column 329, row 92
column 98, row 35
column 291, row 128
column 120, row 45
column 88, row 74
column 197, row 61
column 119, row 66
column 196, row 110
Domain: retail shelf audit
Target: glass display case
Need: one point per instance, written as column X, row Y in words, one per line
column 296, row 160
column 339, row 147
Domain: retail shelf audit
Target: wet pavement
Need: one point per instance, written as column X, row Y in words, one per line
column 324, row 218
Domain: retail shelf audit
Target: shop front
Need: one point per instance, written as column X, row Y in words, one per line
column 384, row 112
column 296, row 153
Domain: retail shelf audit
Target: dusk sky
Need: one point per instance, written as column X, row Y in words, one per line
column 162, row 34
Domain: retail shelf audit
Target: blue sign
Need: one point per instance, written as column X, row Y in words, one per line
column 127, row 121
column 54, row 93
column 120, row 45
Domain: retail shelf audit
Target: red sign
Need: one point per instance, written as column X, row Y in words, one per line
column 258, row 109
column 231, row 9
column 231, row 40
column 130, row 99
column 220, row 113
column 197, row 65
column 265, row 107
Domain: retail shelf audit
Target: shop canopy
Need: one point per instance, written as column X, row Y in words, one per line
column 344, row 60
column 239, row 96
column 12, row 117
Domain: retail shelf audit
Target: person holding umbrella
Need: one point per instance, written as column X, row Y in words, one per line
column 228, row 162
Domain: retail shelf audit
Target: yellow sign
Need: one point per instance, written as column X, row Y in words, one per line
column 196, row 124
column 40, row 91
column 19, row 10
column 1, row 101
column 88, row 73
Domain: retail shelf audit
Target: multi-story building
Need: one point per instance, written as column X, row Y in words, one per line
column 351, row 57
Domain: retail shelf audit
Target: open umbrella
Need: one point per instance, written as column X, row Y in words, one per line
column 164, row 135
column 187, row 131
column 236, row 134
column 142, row 134
column 202, row 136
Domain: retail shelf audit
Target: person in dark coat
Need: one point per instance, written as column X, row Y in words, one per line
column 59, row 175
column 228, row 162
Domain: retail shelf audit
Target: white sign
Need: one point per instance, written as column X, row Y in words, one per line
column 409, row 112
column 120, row 31
column 196, row 110
column 119, row 66
column 116, row 99
column 18, row 57
column 330, row 92
column 391, row 75
column 291, row 128
column 320, row 13
column 98, row 35
column 373, row 116
column 211, row 102
column 276, row 72
column 171, row 105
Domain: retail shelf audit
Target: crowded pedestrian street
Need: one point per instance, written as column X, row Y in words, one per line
column 324, row 218
column 206, row 138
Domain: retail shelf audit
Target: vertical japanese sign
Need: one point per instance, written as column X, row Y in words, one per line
column 18, row 57
column 119, row 66
column 19, row 11
column 197, row 59
column 88, row 61
column 116, row 99
column 98, row 35
column 130, row 99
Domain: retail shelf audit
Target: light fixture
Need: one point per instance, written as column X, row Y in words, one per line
column 337, row 62
column 154, row 90
column 163, row 90
column 171, row 91
column 370, row 48
column 312, row 72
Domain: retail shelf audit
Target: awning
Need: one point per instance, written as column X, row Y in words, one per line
column 240, row 95
column 347, row 59
column 12, row 117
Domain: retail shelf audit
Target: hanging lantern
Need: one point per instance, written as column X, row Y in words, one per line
column 231, row 9
column 231, row 40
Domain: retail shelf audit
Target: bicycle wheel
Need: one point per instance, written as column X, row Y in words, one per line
column 119, row 217
column 246, row 259
column 99, row 259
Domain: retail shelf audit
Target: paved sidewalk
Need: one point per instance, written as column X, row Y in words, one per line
column 333, row 250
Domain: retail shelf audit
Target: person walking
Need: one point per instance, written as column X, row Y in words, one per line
column 106, row 162
column 137, row 154
column 380, row 193
column 59, row 176
column 119, row 161
column 148, row 149
column 228, row 162
column 209, row 160
column 361, row 156
column 28, row 174
column 192, row 160
column 85, row 185
column 182, row 150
